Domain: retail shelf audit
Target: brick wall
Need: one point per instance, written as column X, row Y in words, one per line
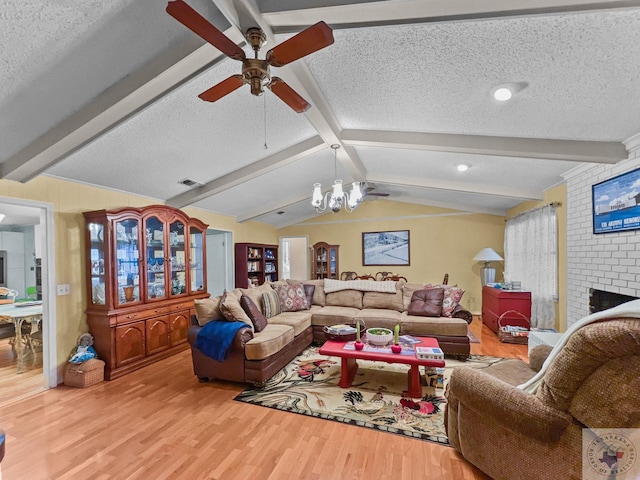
column 610, row 261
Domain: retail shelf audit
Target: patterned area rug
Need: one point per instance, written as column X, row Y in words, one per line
column 376, row 399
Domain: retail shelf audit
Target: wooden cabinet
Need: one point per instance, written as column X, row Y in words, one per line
column 255, row 264
column 496, row 302
column 324, row 261
column 144, row 268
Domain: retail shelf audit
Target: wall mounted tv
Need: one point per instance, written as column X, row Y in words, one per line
column 616, row 203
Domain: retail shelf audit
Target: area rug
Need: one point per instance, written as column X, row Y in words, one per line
column 377, row 398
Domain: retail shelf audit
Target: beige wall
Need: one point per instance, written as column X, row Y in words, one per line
column 556, row 194
column 441, row 241
column 70, row 200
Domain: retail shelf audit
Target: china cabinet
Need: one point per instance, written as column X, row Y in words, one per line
column 144, row 267
column 324, row 261
column 256, row 263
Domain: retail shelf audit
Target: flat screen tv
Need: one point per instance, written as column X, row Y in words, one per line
column 616, row 203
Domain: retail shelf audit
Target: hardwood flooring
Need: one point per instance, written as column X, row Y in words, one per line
column 14, row 386
column 160, row 423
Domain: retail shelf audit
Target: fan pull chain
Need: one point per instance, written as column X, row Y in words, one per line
column 264, row 98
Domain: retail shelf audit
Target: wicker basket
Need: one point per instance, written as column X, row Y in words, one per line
column 336, row 337
column 507, row 335
column 84, row 374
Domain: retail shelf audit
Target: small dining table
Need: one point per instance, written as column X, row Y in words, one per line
column 19, row 314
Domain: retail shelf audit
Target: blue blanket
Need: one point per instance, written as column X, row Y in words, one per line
column 215, row 338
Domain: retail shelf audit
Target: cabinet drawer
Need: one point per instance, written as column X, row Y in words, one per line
column 142, row 314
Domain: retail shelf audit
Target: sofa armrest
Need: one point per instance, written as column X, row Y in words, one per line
column 507, row 406
column 460, row 312
column 538, row 355
column 240, row 339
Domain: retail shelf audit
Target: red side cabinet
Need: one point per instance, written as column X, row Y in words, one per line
column 495, row 302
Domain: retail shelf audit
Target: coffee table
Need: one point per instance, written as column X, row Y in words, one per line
column 349, row 365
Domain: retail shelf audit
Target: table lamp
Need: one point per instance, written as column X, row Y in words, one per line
column 487, row 273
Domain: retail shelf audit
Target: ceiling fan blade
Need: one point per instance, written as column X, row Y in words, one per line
column 307, row 41
column 288, row 95
column 223, row 88
column 200, row 25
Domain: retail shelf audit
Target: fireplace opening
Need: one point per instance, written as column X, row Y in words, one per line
column 600, row 300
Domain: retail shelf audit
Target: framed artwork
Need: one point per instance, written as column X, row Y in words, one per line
column 616, row 203
column 385, row 248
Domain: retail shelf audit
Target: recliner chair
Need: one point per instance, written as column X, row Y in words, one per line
column 593, row 382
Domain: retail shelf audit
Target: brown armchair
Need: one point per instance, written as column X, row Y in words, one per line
column 507, row 433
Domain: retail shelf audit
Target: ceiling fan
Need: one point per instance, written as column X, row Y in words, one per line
column 255, row 72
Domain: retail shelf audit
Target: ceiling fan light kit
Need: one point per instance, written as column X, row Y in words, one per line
column 255, row 72
column 336, row 199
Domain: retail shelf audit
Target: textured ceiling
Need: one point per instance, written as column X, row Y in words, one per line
column 106, row 94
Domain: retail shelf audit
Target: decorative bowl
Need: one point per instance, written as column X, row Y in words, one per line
column 379, row 336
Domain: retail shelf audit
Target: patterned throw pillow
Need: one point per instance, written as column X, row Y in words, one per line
column 271, row 304
column 452, row 296
column 292, row 298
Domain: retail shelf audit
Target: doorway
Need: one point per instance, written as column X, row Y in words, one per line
column 220, row 272
column 33, row 223
column 294, row 258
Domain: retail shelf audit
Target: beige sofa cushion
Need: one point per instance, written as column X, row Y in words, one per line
column 232, row 310
column 299, row 321
column 255, row 294
column 427, row 326
column 331, row 315
column 381, row 318
column 390, row 301
column 269, row 341
column 345, row 298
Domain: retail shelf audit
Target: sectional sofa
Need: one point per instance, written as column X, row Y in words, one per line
column 255, row 356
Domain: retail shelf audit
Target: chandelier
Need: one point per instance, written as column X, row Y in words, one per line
column 337, row 198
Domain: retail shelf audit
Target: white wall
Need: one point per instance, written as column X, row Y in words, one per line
column 609, row 262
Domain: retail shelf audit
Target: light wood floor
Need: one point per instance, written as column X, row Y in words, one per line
column 14, row 386
column 160, row 423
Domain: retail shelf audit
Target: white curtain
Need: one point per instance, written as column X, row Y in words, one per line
column 530, row 251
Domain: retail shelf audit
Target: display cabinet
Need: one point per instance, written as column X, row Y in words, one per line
column 145, row 267
column 324, row 261
column 255, row 264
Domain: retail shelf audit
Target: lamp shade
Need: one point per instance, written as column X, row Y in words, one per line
column 487, row 255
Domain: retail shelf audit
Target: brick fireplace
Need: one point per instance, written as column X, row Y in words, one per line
column 610, row 262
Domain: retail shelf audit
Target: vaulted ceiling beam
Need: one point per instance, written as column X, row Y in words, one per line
column 546, row 149
column 471, row 188
column 414, row 11
column 249, row 172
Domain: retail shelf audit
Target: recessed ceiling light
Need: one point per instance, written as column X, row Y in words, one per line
column 506, row 91
column 502, row 94
column 463, row 167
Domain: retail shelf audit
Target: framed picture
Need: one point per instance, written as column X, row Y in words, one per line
column 385, row 248
column 616, row 203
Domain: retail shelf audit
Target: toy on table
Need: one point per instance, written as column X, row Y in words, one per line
column 85, row 350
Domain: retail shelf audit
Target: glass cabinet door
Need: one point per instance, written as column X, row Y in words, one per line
column 97, row 267
column 128, row 261
column 333, row 263
column 177, row 259
column 155, row 258
column 196, row 256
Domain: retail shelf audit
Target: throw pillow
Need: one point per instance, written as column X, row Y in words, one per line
column 271, row 304
column 207, row 309
column 309, row 290
column 251, row 309
column 427, row 303
column 292, row 298
column 232, row 310
column 452, row 296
